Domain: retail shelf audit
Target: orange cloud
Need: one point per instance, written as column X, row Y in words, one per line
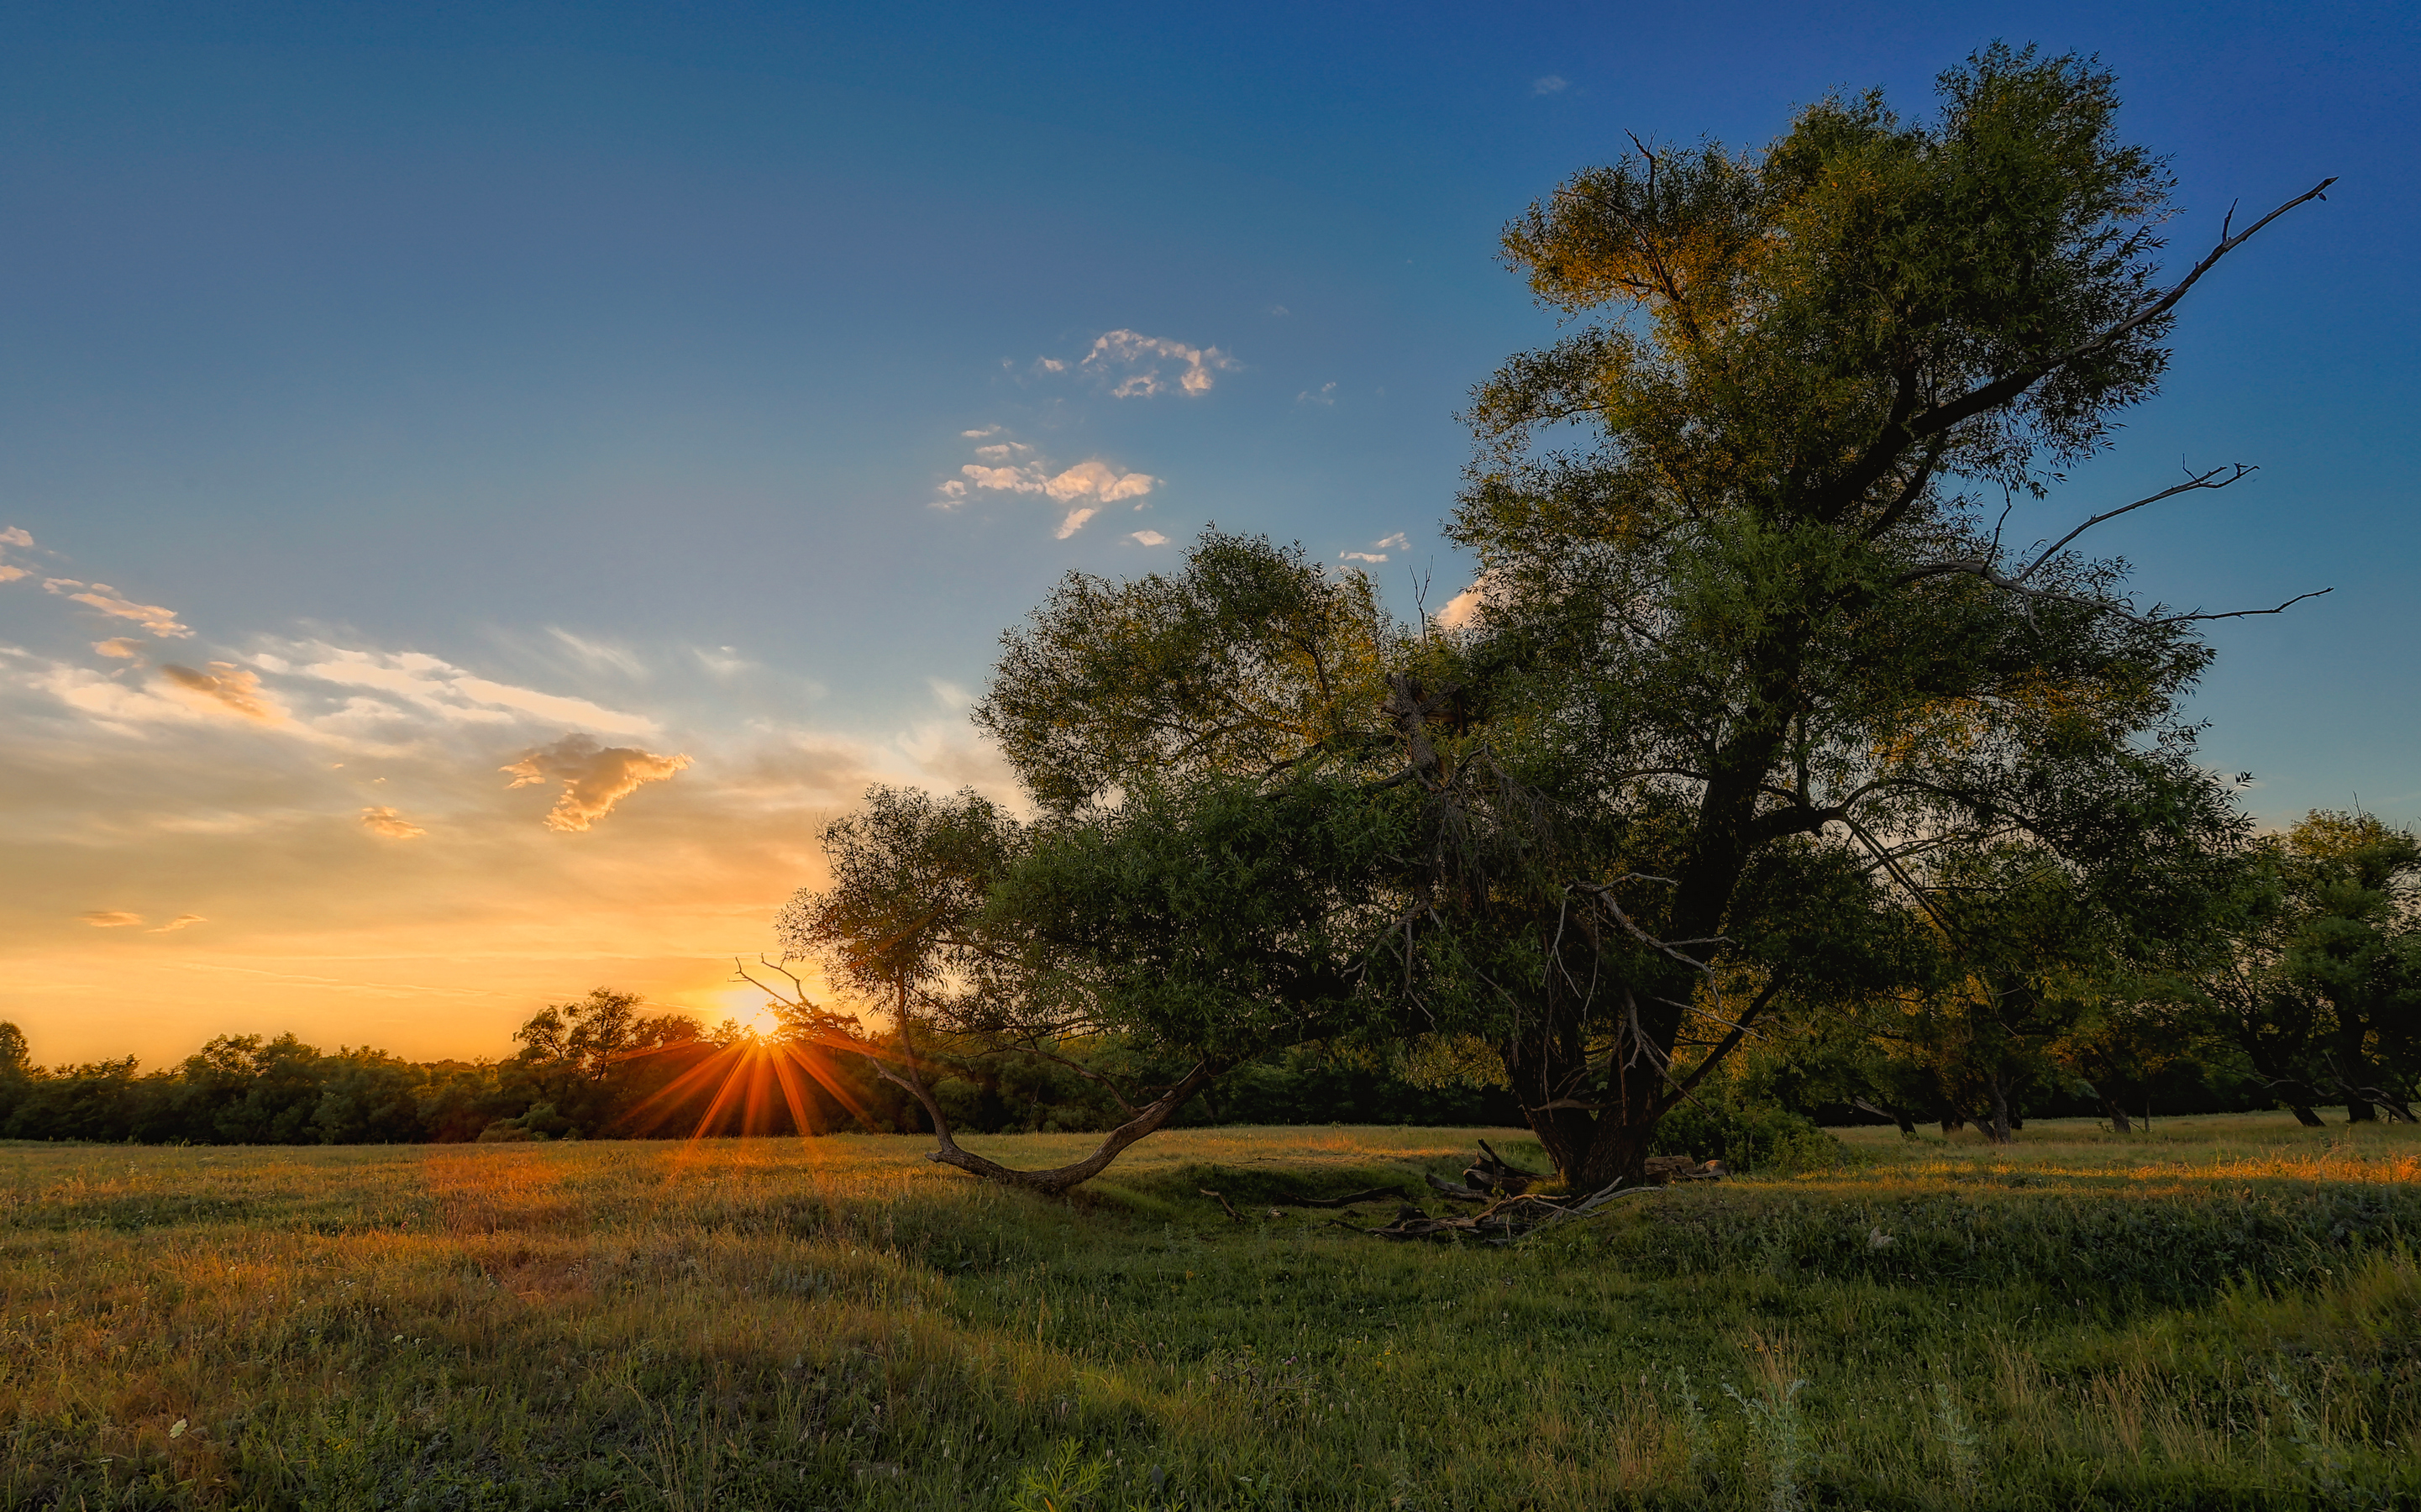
column 108, row 600
column 110, row 918
column 594, row 778
column 121, row 648
column 180, row 922
column 229, row 686
column 386, row 821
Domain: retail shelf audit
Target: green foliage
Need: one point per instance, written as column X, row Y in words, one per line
column 1240, row 664
column 1752, row 1136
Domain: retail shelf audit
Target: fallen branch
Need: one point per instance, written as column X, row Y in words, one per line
column 1374, row 1195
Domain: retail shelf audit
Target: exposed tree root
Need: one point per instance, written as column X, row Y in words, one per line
column 1510, row 1214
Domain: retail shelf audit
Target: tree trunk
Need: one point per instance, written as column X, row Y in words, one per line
column 2345, row 1060
column 2306, row 1116
column 2117, row 1114
column 1894, row 1111
column 1998, row 1131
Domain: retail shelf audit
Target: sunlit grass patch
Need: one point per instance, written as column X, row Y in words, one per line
column 2220, row 1317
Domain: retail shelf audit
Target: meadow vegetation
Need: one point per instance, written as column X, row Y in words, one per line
column 2218, row 1313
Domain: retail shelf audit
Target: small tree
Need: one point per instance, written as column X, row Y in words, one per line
column 2353, row 947
column 1208, row 922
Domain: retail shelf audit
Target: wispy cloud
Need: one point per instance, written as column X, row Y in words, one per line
column 101, row 596
column 1324, row 394
column 1134, row 366
column 182, row 921
column 392, row 825
column 111, row 919
column 598, row 654
column 121, row 648
column 451, row 693
column 594, row 777
column 1552, row 84
column 225, row 686
column 1149, row 537
column 1073, row 522
column 13, row 535
column 1379, row 549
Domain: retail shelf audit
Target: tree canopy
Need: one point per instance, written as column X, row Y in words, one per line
column 1756, row 704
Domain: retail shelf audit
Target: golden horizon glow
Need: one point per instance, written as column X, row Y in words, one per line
column 377, row 848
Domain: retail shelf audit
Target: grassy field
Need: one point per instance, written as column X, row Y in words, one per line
column 2225, row 1312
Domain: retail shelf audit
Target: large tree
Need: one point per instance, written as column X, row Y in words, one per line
column 1751, row 642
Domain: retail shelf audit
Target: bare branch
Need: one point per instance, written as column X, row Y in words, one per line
column 2203, row 480
column 2243, row 613
column 1993, row 394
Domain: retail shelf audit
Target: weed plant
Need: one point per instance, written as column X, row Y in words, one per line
column 2224, row 1313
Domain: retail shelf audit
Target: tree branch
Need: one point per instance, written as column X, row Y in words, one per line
column 2202, row 480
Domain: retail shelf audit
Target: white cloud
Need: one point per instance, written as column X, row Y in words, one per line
column 16, row 535
column 1132, row 363
column 988, row 430
column 1149, row 537
column 1049, row 365
column 108, row 600
column 111, row 918
column 1551, row 85
column 1098, row 480
column 1463, row 609
column 113, row 704
column 449, row 692
column 594, row 777
column 598, row 654
column 950, row 694
column 1075, row 522
column 1379, row 549
column 1011, row 467
column 394, row 826
column 1324, row 394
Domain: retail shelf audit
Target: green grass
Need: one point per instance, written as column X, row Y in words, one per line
column 2224, row 1313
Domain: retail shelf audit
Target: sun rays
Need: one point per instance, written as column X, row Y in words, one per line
column 759, row 1082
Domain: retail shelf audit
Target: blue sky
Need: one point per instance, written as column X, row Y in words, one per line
column 464, row 379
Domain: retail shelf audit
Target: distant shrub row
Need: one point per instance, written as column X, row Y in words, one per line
column 597, row 1069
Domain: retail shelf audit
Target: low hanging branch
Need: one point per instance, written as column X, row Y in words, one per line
column 910, row 1078
column 1154, row 1115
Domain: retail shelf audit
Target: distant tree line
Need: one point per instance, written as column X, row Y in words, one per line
column 601, row 1069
